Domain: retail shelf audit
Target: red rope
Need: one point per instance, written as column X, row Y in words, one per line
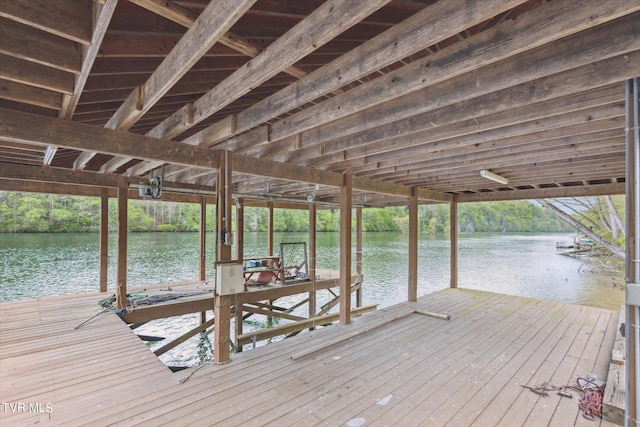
column 591, row 400
column 590, row 403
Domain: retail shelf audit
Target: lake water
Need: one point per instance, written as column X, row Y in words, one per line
column 36, row 265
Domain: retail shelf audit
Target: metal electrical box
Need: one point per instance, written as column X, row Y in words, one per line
column 229, row 279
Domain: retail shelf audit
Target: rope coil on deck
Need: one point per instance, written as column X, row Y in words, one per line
column 592, row 393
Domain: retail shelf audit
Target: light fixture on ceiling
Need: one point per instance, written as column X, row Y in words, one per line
column 494, row 177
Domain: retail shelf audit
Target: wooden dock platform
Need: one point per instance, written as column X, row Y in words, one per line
column 404, row 368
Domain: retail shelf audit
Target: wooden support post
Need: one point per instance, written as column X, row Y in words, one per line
column 270, row 229
column 413, row 246
column 104, row 238
column 346, row 192
column 203, row 238
column 453, row 236
column 222, row 303
column 121, row 288
column 359, row 253
column 312, row 258
column 239, row 229
column 239, row 325
column 239, row 256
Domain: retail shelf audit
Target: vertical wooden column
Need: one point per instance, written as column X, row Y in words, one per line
column 239, row 257
column 121, row 279
column 240, row 229
column 312, row 257
column 269, row 229
column 203, row 237
column 345, row 249
column 104, row 238
column 359, row 254
column 413, row 246
column 453, row 237
column 222, row 303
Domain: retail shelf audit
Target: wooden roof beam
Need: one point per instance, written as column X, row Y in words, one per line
column 427, row 27
column 186, row 18
column 602, row 166
column 64, row 18
column 22, row 127
column 534, row 118
column 206, row 31
column 549, row 193
column 214, row 21
column 525, row 157
column 507, row 147
column 436, row 124
column 36, row 75
column 33, row 45
column 101, row 17
column 35, row 129
column 504, row 147
column 531, row 30
column 318, row 28
column 321, row 26
column 30, row 95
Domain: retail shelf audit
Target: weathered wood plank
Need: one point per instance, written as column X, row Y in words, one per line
column 425, row 28
column 214, row 21
column 618, row 352
column 30, row 95
column 526, row 49
column 186, row 18
column 31, row 128
column 33, row 74
column 296, row 326
column 65, row 18
column 318, row 28
column 613, row 402
column 410, row 133
column 37, row 46
column 448, row 370
column 456, row 126
column 102, row 14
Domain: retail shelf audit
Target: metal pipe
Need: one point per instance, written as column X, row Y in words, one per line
column 636, row 246
column 636, row 180
column 636, row 330
column 632, row 329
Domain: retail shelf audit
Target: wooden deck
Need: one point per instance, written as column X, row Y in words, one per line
column 404, row 369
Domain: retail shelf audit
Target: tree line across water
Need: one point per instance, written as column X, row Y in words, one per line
column 41, row 213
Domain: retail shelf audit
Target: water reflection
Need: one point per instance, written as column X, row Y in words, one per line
column 35, row 265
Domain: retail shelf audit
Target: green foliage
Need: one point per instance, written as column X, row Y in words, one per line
column 27, row 212
column 518, row 216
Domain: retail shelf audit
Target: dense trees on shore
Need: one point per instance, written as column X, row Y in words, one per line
column 30, row 212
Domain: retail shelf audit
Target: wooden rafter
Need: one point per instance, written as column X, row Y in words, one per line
column 214, row 21
column 315, row 30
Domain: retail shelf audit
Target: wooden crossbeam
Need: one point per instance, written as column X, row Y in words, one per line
column 297, row 326
column 214, row 21
column 427, row 27
column 318, row 28
column 472, row 62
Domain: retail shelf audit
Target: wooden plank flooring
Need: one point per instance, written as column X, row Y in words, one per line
column 409, row 370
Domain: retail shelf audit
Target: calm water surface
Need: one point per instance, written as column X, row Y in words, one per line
column 36, row 265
